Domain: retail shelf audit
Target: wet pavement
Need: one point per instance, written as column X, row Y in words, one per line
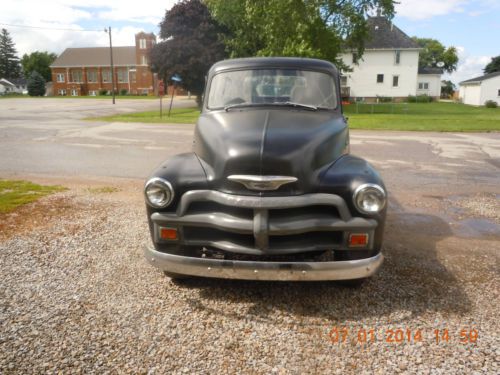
column 453, row 175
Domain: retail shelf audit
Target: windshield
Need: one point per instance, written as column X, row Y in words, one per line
column 272, row 86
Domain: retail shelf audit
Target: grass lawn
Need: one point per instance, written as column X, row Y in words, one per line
column 442, row 117
column 177, row 116
column 16, row 193
column 445, row 117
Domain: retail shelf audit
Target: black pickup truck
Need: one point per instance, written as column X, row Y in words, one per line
column 269, row 191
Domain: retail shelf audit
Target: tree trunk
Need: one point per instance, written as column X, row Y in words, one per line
column 199, row 101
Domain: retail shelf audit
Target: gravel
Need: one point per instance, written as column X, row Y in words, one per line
column 76, row 296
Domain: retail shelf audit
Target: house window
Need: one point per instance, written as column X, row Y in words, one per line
column 92, row 76
column 144, row 60
column 423, row 85
column 380, row 78
column 92, row 93
column 60, row 77
column 343, row 81
column 395, row 81
column 498, row 93
column 132, row 76
column 122, row 76
column 76, row 76
column 106, row 76
column 142, row 43
column 354, row 58
column 397, row 57
column 74, row 92
column 61, row 92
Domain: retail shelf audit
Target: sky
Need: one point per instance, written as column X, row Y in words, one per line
column 472, row 26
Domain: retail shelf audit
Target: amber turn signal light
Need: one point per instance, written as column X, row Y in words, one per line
column 358, row 239
column 168, row 233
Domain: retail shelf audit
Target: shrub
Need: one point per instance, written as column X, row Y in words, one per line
column 491, row 104
column 123, row 92
column 419, row 99
column 103, row 92
column 36, row 84
column 384, row 99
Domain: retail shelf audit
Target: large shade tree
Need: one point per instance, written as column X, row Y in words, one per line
column 39, row 62
column 493, row 66
column 9, row 62
column 321, row 28
column 436, row 55
column 191, row 44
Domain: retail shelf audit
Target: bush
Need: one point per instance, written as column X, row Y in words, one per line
column 103, row 92
column 491, row 104
column 123, row 92
column 36, row 84
column 419, row 99
column 384, row 99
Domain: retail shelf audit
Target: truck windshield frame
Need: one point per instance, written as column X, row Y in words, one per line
column 268, row 86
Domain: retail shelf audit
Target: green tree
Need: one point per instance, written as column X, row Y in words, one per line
column 191, row 44
column 434, row 54
column 319, row 28
column 36, row 84
column 9, row 62
column 447, row 88
column 40, row 62
column 493, row 66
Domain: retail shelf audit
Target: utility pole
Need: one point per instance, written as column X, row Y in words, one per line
column 108, row 30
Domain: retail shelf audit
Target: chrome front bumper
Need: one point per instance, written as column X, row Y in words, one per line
column 246, row 270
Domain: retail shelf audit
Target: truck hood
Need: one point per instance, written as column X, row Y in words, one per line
column 266, row 142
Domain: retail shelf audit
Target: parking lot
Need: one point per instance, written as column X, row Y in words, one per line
column 77, row 296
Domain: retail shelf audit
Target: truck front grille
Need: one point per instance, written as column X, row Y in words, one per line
column 263, row 225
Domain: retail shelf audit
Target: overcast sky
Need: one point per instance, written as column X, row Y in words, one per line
column 472, row 26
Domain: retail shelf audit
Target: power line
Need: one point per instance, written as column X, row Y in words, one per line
column 47, row 28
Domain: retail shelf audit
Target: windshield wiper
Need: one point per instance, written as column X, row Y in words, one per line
column 240, row 105
column 288, row 104
column 300, row 105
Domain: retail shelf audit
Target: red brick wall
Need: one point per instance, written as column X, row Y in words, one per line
column 145, row 80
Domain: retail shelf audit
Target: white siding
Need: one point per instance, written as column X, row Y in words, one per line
column 489, row 90
column 434, row 83
column 363, row 79
column 470, row 94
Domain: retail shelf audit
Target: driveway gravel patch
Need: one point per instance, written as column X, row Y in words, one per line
column 77, row 296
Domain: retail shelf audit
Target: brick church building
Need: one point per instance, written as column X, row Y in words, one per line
column 87, row 71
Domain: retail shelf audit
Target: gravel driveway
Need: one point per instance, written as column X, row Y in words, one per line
column 77, row 297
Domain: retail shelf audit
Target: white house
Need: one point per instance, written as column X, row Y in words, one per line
column 6, row 87
column 388, row 67
column 476, row 91
column 13, row 85
column 429, row 82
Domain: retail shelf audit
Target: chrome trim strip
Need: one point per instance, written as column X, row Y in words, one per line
column 246, row 270
column 262, row 183
column 245, row 201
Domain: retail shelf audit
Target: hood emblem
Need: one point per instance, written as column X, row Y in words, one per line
column 263, row 183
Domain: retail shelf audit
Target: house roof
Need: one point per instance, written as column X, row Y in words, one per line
column 430, row 70
column 383, row 34
column 95, row 56
column 18, row 81
column 6, row 83
column 481, row 78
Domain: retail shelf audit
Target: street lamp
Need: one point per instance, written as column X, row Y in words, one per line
column 108, row 30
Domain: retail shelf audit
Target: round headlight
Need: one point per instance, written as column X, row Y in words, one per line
column 369, row 198
column 158, row 192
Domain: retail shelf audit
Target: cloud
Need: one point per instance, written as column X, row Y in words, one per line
column 423, row 9
column 468, row 66
column 72, row 14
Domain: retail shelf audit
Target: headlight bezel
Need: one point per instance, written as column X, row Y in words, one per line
column 362, row 189
column 164, row 185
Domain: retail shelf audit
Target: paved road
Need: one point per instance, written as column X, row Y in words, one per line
column 49, row 136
